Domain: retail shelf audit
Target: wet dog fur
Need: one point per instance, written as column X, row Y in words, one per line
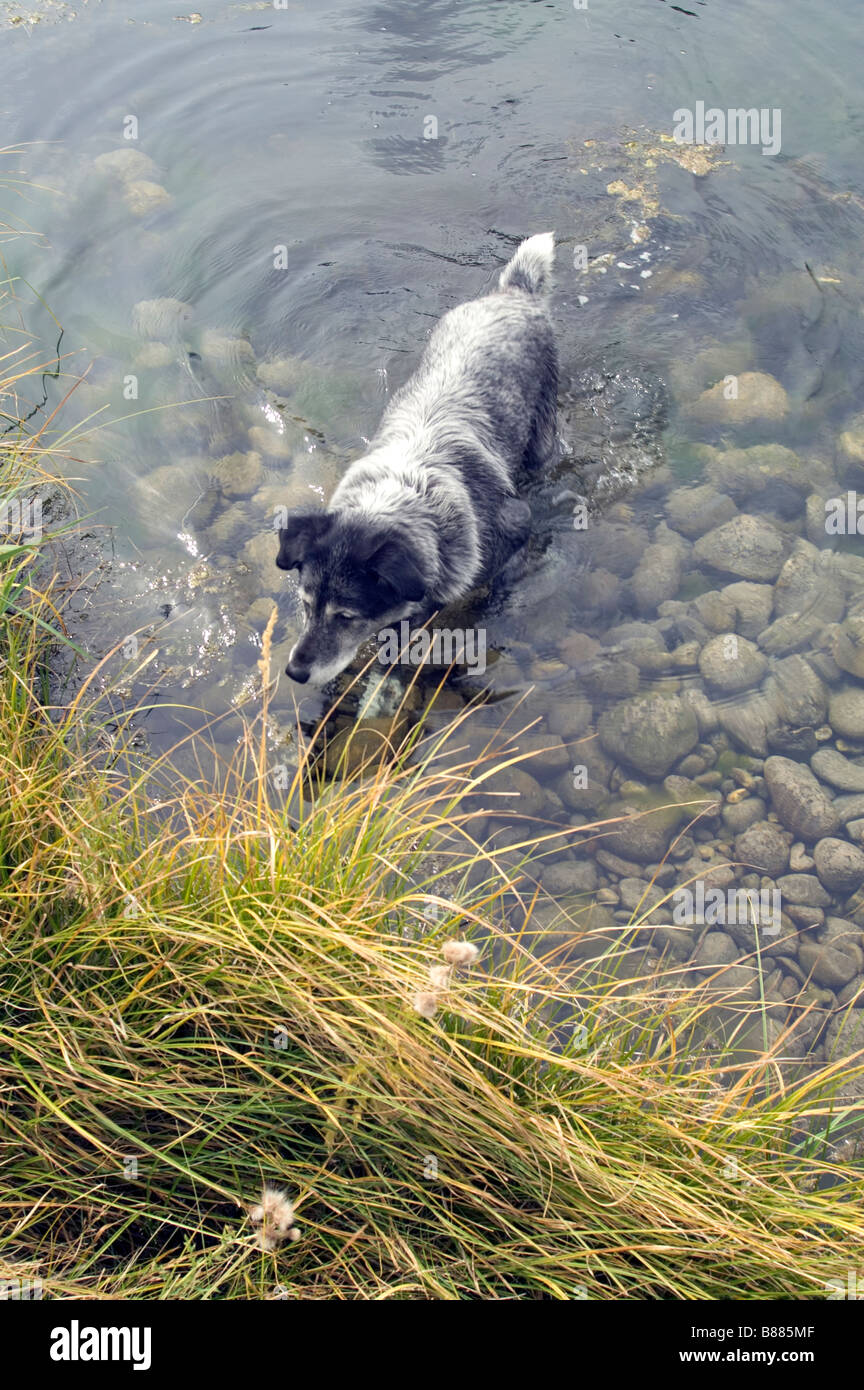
column 431, row 511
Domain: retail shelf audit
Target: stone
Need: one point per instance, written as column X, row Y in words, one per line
column 695, row 510
column 747, row 546
column 804, row 889
column 142, row 197
column 844, row 1037
column 753, row 604
column 760, row 470
column 848, row 646
column 160, row 319
column 578, row 876
column 831, row 766
column 657, row 577
column 846, row 712
column 649, row 732
column 127, row 164
column 835, row 957
column 840, row 866
column 740, row 815
column 730, row 663
column 238, row 475
column 799, row 800
column 759, row 397
column 764, row 847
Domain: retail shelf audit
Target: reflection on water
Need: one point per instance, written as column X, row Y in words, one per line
column 250, row 277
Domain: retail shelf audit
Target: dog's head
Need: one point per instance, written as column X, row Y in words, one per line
column 357, row 575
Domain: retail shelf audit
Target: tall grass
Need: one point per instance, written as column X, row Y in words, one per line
column 209, row 987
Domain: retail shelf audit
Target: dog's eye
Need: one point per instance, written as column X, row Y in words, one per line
column 345, row 617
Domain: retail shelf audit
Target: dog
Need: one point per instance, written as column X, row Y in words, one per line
column 431, row 511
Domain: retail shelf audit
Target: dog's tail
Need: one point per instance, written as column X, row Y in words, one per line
column 530, row 268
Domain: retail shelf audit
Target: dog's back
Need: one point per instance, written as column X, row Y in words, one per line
column 488, row 376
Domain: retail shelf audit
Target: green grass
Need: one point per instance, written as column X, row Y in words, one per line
column 202, row 993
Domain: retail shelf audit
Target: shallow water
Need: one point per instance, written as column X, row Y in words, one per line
column 305, row 128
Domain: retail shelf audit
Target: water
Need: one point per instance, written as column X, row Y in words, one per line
column 305, row 128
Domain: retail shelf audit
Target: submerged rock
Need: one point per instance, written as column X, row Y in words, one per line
column 649, row 732
column 695, row 510
column 126, row 164
column 747, row 546
column 765, row 847
column 730, row 663
column 840, row 866
column 799, row 800
column 143, row 197
column 848, row 646
column 846, row 712
column 238, row 475
column 757, row 397
column 162, row 319
column 832, row 767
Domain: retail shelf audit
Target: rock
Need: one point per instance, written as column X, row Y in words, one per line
column 548, row 756
column 143, row 197
column 835, row 957
column 749, row 721
column 848, row 646
column 155, row 355
column 740, row 815
column 799, row 800
column 640, row 835
column 764, row 847
column 731, row 663
column 238, row 475
column 844, row 1037
column 846, row 712
column 719, row 966
column 260, row 552
column 512, row 791
column 657, row 577
column 809, row 582
column 761, row 470
column 800, row 861
column 753, row 606
column 218, row 347
column 586, row 786
column 840, row 866
column 804, row 889
column 126, row 164
column 639, row 896
column 758, row 397
column 850, row 444
column 160, row 319
column 831, row 766
column 747, row 546
column 796, row 693
column 849, row 808
column 570, row 718
column 695, row 510
column 577, row 648
column 608, row 678
column 649, row 732
column 579, row 876
column 717, row 612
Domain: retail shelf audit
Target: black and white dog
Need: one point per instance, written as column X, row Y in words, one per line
column 431, row 510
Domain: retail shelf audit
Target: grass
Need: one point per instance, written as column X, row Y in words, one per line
column 208, row 987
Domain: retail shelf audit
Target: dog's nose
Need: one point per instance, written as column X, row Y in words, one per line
column 297, row 671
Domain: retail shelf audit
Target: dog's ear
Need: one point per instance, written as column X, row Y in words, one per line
column 394, row 565
column 301, row 531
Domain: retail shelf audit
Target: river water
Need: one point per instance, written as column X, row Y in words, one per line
column 246, row 222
